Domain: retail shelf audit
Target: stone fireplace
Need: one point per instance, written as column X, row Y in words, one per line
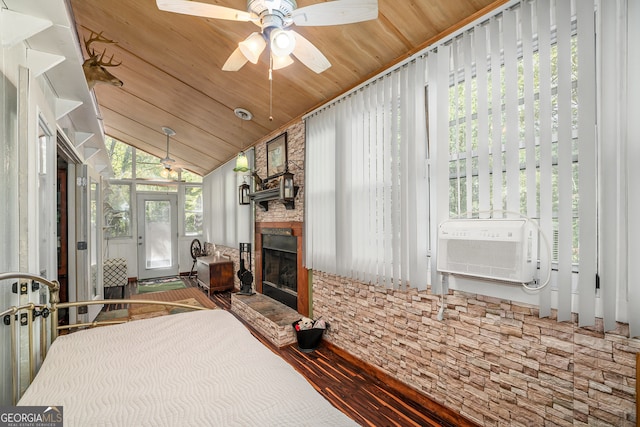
column 279, row 271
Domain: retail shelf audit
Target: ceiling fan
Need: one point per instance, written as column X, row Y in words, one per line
column 274, row 17
column 170, row 168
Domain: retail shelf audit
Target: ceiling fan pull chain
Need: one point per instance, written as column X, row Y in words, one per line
column 270, row 88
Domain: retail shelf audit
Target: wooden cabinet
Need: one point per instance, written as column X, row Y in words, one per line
column 215, row 274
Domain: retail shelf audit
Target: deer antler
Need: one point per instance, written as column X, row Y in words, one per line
column 107, row 64
column 92, row 53
column 94, row 66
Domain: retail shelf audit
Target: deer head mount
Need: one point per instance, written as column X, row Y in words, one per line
column 94, row 67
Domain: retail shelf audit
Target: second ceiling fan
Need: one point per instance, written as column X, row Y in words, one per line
column 274, row 17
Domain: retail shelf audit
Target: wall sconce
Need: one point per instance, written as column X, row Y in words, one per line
column 242, row 164
column 287, row 192
column 243, row 193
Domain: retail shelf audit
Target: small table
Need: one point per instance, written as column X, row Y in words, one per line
column 215, row 273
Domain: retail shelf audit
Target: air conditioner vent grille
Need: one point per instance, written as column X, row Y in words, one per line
column 494, row 249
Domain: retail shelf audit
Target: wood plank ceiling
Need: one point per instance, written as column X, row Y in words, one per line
column 171, row 69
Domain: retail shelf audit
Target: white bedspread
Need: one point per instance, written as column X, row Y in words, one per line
column 202, row 368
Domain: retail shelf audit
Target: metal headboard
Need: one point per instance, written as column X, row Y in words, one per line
column 41, row 312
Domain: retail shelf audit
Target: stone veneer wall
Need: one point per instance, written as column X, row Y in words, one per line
column 278, row 333
column 493, row 361
column 295, row 153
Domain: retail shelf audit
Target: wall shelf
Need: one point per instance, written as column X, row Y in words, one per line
column 263, row 197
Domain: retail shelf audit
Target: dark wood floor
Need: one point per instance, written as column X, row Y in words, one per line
column 350, row 387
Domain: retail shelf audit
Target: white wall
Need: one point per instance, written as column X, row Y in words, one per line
column 41, row 61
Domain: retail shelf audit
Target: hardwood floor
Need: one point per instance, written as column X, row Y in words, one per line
column 367, row 396
column 362, row 395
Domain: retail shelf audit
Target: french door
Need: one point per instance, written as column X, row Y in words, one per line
column 157, row 235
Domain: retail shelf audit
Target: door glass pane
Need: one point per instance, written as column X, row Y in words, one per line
column 158, row 231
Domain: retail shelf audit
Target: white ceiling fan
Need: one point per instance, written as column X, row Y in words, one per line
column 171, row 169
column 274, row 17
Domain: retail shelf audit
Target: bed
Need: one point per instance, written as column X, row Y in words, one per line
column 194, row 368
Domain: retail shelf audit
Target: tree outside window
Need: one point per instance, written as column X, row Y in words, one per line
column 192, row 210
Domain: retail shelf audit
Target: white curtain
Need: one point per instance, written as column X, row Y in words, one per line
column 633, row 158
column 619, row 154
column 226, row 221
column 366, row 213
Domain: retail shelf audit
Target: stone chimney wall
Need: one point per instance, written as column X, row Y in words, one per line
column 295, row 154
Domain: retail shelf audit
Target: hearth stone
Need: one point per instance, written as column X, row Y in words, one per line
column 269, row 317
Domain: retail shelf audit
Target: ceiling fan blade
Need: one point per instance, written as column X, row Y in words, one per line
column 309, row 55
column 203, row 9
column 336, row 12
column 235, row 61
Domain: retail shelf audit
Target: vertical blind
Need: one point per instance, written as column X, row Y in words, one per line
column 618, row 157
column 633, row 156
column 228, row 223
column 366, row 183
column 515, row 134
column 528, row 115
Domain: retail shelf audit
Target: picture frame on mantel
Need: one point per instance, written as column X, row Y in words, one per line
column 277, row 156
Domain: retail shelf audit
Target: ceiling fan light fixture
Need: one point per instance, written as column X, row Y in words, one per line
column 252, row 47
column 282, row 42
column 169, row 173
column 281, row 61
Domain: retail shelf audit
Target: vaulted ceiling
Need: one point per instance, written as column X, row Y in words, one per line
column 171, row 66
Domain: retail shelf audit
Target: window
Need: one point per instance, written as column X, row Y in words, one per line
column 162, row 188
column 117, row 210
column 519, row 134
column 148, row 166
column 187, row 176
column 192, row 210
column 517, row 127
column 121, row 156
column 127, row 163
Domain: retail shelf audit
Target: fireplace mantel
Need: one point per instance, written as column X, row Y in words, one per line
column 303, row 281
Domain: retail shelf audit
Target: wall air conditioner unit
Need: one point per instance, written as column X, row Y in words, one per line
column 496, row 249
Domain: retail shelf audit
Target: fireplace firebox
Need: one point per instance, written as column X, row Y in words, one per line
column 279, row 268
column 278, row 253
